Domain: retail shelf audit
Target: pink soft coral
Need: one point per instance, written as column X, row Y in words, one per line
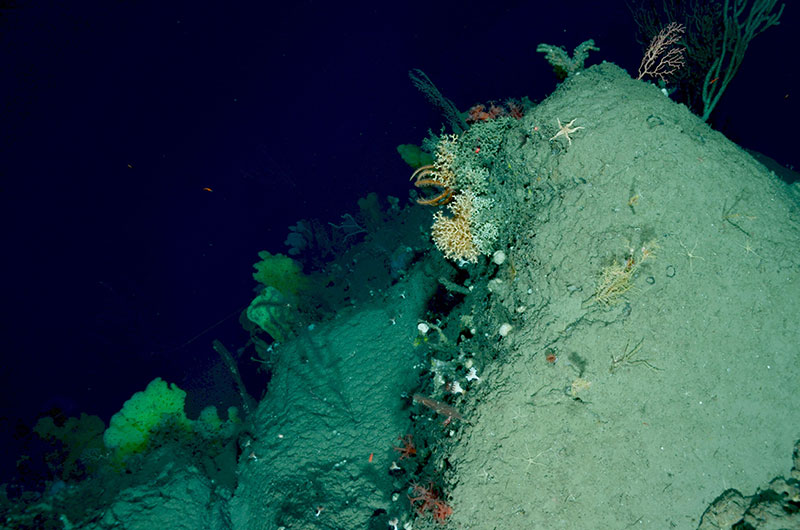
column 427, row 500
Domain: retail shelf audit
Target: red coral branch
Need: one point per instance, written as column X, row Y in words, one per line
column 428, row 500
column 407, row 448
column 438, row 406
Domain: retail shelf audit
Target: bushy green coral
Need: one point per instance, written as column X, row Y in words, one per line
column 483, row 143
column 564, row 65
column 484, row 222
column 473, row 178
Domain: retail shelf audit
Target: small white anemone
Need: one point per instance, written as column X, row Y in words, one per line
column 499, row 257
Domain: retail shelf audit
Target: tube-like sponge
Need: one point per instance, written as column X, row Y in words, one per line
column 272, row 312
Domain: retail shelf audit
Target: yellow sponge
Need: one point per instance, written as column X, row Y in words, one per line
column 158, row 408
column 281, row 272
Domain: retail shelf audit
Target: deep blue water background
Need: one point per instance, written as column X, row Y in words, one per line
column 116, row 115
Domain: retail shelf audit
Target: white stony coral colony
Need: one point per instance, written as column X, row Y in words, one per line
column 471, row 228
column 445, row 161
column 453, row 235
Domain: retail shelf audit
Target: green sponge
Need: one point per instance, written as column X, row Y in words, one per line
column 157, row 409
column 414, row 156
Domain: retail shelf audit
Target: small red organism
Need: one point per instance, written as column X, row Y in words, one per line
column 477, row 113
column 428, row 500
column 512, row 107
column 515, row 109
column 551, row 358
column 496, row 111
column 407, row 449
column 480, row 113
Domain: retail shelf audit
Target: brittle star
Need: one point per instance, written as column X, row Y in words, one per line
column 690, row 255
column 532, row 459
column 749, row 249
